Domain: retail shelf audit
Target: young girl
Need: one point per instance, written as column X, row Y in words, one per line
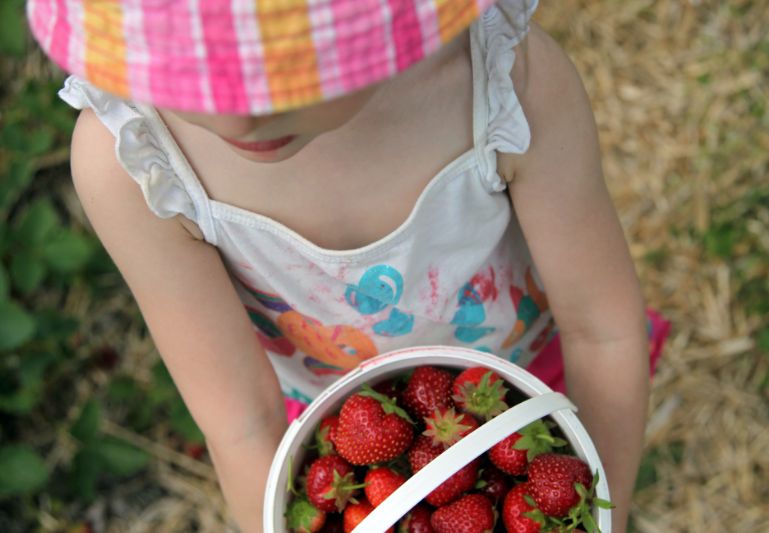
column 284, row 206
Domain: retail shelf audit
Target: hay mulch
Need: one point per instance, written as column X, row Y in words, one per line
column 679, row 90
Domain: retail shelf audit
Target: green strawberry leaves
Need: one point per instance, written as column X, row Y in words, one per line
column 537, row 439
column 388, row 404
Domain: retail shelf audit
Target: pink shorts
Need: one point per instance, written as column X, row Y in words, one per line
column 548, row 365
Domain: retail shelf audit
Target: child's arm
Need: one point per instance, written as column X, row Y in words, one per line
column 583, row 260
column 196, row 319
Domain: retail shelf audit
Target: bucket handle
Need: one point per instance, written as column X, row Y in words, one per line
column 418, row 486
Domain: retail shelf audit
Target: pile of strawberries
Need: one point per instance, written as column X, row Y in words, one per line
column 382, row 435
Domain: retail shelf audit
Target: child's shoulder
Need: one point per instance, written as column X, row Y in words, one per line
column 98, row 174
column 550, row 91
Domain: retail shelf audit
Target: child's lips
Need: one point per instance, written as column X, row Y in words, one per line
column 261, row 146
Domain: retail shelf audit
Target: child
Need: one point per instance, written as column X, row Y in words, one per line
column 284, row 206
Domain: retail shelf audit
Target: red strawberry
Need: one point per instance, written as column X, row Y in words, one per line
column 472, row 513
column 380, row 483
column 330, row 483
column 392, row 388
column 445, row 426
column 513, row 453
column 480, row 391
column 304, row 517
column 507, row 458
column 428, row 388
column 325, row 434
column 354, row 514
column 372, row 429
column 551, row 482
column 494, row 483
column 417, row 521
column 422, row 452
column 513, row 509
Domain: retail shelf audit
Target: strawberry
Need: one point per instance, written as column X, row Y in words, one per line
column 472, row 513
column 355, row 513
column 304, row 517
column 330, row 483
column 325, row 435
column 392, row 388
column 416, row 521
column 422, row 452
column 513, row 453
column 513, row 509
column 380, row 483
column 445, row 426
column 552, row 479
column 427, row 389
column 493, row 483
column 480, row 391
column 507, row 458
column 372, row 429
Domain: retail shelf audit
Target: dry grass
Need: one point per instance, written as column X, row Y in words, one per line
column 675, row 86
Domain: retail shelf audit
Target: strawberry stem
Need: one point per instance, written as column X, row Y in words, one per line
column 388, row 404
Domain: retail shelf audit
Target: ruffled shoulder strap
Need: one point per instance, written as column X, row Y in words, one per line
column 499, row 123
column 148, row 153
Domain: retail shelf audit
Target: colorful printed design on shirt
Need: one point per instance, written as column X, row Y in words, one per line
column 471, row 313
column 333, row 349
column 542, row 339
column 379, row 287
column 268, row 333
column 296, row 394
column 529, row 305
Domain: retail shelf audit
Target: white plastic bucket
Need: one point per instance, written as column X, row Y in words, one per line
column 543, row 402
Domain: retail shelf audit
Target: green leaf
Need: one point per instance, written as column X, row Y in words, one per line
column 589, row 522
column 86, row 427
column 762, row 340
column 24, row 471
column 27, row 272
column 3, row 283
column 120, row 457
column 67, row 252
column 31, row 372
column 17, row 177
column 36, row 223
column 123, row 389
column 39, row 141
column 16, row 325
column 55, row 325
column 720, row 240
column 603, row 504
column 86, row 468
column 13, row 28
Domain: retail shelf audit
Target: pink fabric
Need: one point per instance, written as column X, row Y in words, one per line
column 548, row 365
column 361, row 43
column 159, row 22
column 406, row 33
column 294, row 408
column 61, row 30
column 226, row 77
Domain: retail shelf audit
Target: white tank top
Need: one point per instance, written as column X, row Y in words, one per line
column 456, row 272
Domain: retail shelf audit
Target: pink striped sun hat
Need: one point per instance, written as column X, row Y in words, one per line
column 242, row 56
